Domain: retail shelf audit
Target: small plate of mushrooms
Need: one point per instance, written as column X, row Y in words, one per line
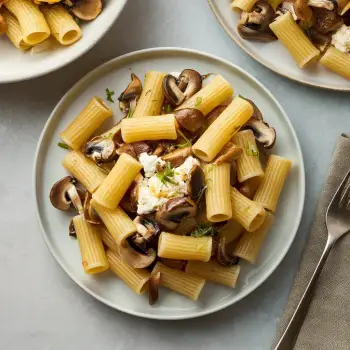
column 321, row 27
column 84, row 22
column 61, row 197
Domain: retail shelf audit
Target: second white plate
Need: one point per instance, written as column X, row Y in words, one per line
column 115, row 75
column 274, row 56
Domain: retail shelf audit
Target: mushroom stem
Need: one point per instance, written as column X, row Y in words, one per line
column 75, row 199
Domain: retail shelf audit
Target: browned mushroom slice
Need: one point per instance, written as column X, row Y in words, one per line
column 141, row 147
column 86, row 10
column 163, row 147
column 177, row 157
column 126, row 148
column 256, row 111
column 72, row 231
column 214, row 114
column 186, row 226
column 64, row 194
column 249, row 187
column 326, row 4
column 190, row 119
column 100, row 149
column 170, row 215
column 321, row 41
column 196, row 183
column 229, row 153
column 222, row 257
column 255, row 25
column 326, row 21
column 171, row 91
column 190, row 82
column 174, row 264
column 130, row 199
column 147, row 233
column 135, row 259
column 153, row 287
column 3, row 24
column 302, row 10
column 89, row 212
column 264, row 134
column 129, row 97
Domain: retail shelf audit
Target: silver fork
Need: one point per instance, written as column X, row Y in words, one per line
column 338, row 224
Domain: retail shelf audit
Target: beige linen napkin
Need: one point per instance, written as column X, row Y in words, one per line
column 327, row 325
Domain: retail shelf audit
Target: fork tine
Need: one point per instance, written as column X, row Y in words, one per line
column 344, row 198
column 339, row 192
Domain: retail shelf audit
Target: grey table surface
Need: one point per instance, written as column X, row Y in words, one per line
column 40, row 306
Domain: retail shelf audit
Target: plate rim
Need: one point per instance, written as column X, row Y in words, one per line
column 167, row 50
column 62, row 63
column 263, row 62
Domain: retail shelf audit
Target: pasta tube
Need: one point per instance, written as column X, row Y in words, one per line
column 210, row 96
column 244, row 5
column 93, row 255
column 217, row 195
column 136, row 279
column 14, row 32
column 84, row 169
column 271, row 185
column 184, row 247
column 62, row 25
column 337, row 61
column 152, row 97
column 162, row 127
column 248, row 164
column 117, row 182
column 250, row 243
column 294, row 40
column 222, row 129
column 249, row 214
column 214, row 272
column 117, row 222
column 89, row 119
column 32, row 21
column 179, row 281
column 108, row 240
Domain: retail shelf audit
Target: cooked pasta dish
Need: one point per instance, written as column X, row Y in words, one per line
column 178, row 192
column 38, row 24
column 311, row 30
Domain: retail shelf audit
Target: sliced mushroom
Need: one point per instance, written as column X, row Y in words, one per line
column 134, row 149
column 154, row 284
column 191, row 119
column 147, row 233
column 135, row 259
column 163, row 147
column 87, row 10
column 171, row 91
column 302, row 10
column 249, row 187
column 196, row 183
column 64, row 194
column 190, row 82
column 174, row 210
column 214, row 114
column 326, row 4
column 130, row 199
column 174, row 264
column 72, row 231
column 177, row 157
column 229, row 153
column 222, row 257
column 3, row 24
column 326, row 21
column 186, row 226
column 255, row 25
column 129, row 97
column 321, row 41
column 264, row 134
column 100, row 149
column 287, row 6
column 89, row 212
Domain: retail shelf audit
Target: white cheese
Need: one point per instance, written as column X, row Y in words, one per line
column 149, row 163
column 153, row 193
column 341, row 39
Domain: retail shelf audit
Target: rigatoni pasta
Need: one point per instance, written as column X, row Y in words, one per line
column 94, row 259
column 115, row 185
column 179, row 281
column 214, row 272
column 89, row 119
column 237, row 113
column 337, row 61
column 271, row 185
column 244, row 5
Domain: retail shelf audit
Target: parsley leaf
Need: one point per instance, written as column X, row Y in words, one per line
column 252, row 150
column 198, row 101
column 168, row 109
column 167, row 174
column 203, row 230
column 130, row 113
column 187, row 142
column 109, row 94
column 63, row 145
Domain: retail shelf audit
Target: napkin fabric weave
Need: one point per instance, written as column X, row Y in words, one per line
column 327, row 324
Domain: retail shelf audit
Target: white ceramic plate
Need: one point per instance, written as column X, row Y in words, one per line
column 274, row 56
column 115, row 75
column 16, row 65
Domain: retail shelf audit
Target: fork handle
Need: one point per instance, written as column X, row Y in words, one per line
column 291, row 333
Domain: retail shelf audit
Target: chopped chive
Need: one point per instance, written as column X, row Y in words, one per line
column 63, row 145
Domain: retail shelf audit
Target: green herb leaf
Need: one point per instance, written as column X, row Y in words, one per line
column 168, row 108
column 77, row 20
column 203, row 230
column 187, row 142
column 130, row 113
column 166, row 175
column 109, row 94
column 63, row 145
column 198, row 101
column 252, row 150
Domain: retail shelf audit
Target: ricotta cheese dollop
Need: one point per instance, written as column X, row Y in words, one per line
column 153, row 192
column 341, row 39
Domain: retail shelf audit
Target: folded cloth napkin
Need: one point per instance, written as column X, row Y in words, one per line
column 327, row 324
